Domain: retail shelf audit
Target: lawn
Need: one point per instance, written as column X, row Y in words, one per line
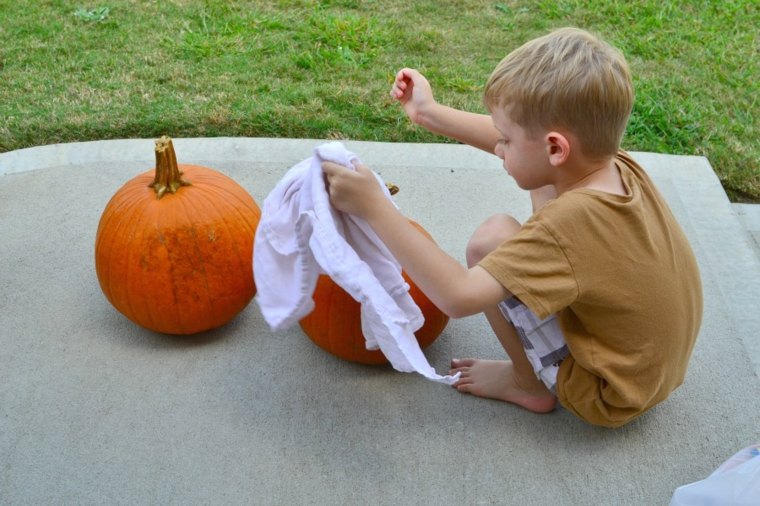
column 72, row 71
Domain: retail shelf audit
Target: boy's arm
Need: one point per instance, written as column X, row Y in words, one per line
column 414, row 93
column 456, row 290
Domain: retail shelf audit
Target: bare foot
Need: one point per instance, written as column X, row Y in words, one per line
column 495, row 379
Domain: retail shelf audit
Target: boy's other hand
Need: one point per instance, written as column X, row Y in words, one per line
column 355, row 192
column 414, row 93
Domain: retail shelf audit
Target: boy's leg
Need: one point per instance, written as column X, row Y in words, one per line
column 515, row 380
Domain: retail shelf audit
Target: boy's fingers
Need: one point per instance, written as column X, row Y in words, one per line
column 404, row 77
column 329, row 171
column 398, row 89
column 410, row 74
column 331, row 168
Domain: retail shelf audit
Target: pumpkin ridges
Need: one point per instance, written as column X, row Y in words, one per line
column 242, row 221
column 330, row 322
column 198, row 254
column 230, row 228
column 150, row 227
column 183, row 266
column 201, row 195
column 100, row 239
column 237, row 228
column 116, row 291
column 115, row 233
column 147, row 304
column 153, row 245
column 196, row 249
column 243, row 200
column 197, row 259
column 141, row 230
column 204, row 202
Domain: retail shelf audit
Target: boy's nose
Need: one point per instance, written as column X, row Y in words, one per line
column 498, row 150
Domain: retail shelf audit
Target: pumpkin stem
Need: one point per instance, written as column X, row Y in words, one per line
column 168, row 176
column 392, row 188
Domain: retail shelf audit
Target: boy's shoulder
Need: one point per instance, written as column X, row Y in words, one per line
column 584, row 205
column 632, row 175
column 585, row 218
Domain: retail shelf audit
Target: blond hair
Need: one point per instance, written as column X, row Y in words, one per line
column 566, row 79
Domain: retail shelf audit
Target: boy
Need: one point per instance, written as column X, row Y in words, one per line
column 597, row 297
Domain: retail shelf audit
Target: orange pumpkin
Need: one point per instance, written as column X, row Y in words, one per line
column 175, row 255
column 335, row 323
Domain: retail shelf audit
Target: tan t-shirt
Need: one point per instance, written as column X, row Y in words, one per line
column 622, row 277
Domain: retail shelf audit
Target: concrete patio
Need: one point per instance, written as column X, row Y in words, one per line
column 94, row 410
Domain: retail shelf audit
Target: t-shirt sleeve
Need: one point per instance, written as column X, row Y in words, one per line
column 535, row 268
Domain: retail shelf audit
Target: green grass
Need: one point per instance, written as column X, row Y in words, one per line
column 73, row 71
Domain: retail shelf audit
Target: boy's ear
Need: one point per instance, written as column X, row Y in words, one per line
column 558, row 148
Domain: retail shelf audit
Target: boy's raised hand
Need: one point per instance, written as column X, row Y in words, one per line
column 414, row 93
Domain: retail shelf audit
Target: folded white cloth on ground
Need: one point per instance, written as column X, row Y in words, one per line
column 301, row 236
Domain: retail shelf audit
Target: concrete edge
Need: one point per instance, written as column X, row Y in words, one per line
column 273, row 150
column 190, row 150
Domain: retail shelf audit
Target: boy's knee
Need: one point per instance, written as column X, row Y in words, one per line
column 489, row 235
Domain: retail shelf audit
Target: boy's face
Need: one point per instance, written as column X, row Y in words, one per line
column 525, row 157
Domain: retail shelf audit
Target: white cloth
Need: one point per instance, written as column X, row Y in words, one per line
column 301, row 236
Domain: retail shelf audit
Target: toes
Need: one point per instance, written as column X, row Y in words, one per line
column 463, row 388
column 463, row 380
column 463, row 370
column 458, row 362
column 464, row 367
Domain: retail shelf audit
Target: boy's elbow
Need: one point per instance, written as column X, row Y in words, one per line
column 467, row 297
column 458, row 308
column 456, row 313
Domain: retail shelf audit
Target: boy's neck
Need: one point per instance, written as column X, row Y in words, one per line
column 601, row 175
